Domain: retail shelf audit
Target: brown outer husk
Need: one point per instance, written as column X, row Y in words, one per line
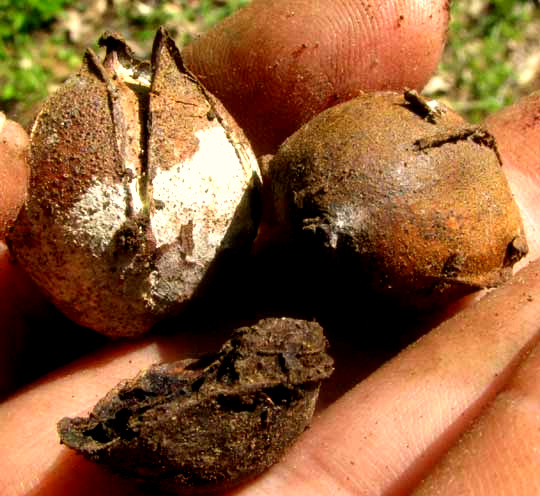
column 402, row 201
column 100, row 131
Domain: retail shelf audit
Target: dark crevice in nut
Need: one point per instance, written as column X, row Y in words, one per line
column 474, row 133
column 516, row 250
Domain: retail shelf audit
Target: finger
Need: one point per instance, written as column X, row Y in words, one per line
column 386, row 433
column 499, row 453
column 34, row 337
column 381, row 437
column 13, row 171
column 33, row 461
column 276, row 64
column 517, row 131
column 16, row 297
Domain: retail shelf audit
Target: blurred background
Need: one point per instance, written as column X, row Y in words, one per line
column 492, row 56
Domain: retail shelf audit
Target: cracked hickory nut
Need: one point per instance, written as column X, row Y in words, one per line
column 396, row 195
column 202, row 425
column 140, row 184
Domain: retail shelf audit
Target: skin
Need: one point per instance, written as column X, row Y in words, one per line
column 13, row 171
column 286, row 59
column 453, row 413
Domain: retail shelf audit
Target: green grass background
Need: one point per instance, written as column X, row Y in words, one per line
column 492, row 44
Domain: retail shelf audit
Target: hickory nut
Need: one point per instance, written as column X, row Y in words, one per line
column 140, row 183
column 398, row 196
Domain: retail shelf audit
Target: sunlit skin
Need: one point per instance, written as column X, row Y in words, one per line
column 13, row 171
column 454, row 413
column 276, row 64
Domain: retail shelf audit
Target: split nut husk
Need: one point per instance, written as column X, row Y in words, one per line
column 141, row 186
column 395, row 195
column 202, row 425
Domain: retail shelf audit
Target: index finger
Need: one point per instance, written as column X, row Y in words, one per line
column 274, row 65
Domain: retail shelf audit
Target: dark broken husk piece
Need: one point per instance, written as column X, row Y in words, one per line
column 202, row 425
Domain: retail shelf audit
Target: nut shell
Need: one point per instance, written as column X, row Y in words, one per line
column 197, row 426
column 393, row 194
column 141, row 185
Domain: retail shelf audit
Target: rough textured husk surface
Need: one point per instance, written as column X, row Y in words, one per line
column 196, row 426
column 399, row 195
column 141, row 186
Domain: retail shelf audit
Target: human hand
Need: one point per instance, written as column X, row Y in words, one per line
column 390, row 430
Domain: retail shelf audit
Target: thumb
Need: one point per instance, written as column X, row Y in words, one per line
column 276, row 64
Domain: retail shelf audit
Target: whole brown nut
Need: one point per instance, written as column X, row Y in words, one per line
column 141, row 185
column 395, row 195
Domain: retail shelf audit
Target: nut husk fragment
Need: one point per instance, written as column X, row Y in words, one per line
column 141, row 187
column 394, row 195
column 201, row 425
